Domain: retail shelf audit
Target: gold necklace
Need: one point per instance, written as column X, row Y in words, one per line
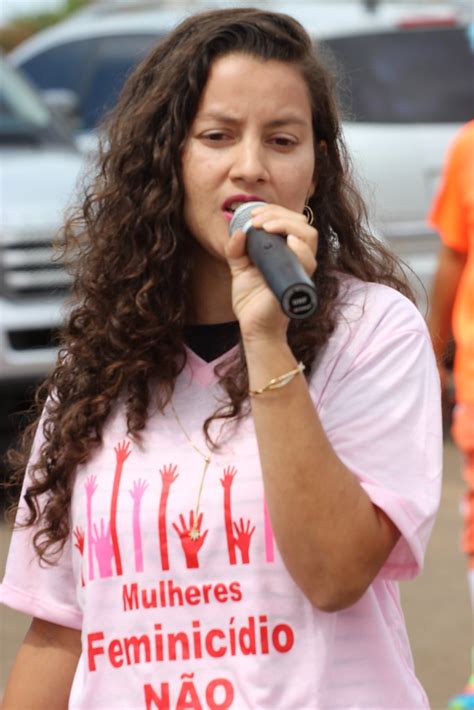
column 194, row 532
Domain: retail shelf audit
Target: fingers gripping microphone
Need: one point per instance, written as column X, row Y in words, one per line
column 278, row 265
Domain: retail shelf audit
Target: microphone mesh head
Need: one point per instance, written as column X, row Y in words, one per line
column 242, row 215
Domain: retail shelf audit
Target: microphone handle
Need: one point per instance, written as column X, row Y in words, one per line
column 283, row 273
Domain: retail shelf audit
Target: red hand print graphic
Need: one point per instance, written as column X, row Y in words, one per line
column 122, row 452
column 243, row 536
column 79, row 537
column 191, row 545
column 168, row 477
column 227, row 480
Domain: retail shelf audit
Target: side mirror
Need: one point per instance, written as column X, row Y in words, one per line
column 65, row 104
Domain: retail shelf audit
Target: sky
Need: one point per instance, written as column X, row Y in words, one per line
column 10, row 8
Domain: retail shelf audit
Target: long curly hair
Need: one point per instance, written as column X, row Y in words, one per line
column 128, row 246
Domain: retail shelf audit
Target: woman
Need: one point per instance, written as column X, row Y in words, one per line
column 214, row 527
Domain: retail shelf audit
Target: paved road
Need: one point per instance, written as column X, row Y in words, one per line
column 436, row 604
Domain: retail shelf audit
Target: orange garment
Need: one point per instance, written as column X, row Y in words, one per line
column 452, row 214
column 463, row 435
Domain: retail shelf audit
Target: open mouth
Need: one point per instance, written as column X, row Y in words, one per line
column 232, row 204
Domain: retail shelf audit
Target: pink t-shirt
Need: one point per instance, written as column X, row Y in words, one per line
column 168, row 622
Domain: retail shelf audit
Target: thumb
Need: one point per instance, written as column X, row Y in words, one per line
column 235, row 251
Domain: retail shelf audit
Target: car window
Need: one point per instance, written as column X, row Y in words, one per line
column 19, row 105
column 115, row 59
column 24, row 118
column 62, row 67
column 410, row 76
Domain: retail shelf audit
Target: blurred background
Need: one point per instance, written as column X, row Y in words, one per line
column 405, row 81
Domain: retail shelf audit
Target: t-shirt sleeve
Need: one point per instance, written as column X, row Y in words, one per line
column 41, row 590
column 381, row 412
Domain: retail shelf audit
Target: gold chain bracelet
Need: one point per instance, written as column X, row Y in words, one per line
column 280, row 381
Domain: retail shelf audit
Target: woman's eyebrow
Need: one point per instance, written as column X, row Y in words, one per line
column 217, row 116
column 290, row 119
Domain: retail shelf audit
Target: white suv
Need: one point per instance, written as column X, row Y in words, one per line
column 39, row 167
column 406, row 88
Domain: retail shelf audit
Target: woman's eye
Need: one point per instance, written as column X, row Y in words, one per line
column 215, row 136
column 283, row 141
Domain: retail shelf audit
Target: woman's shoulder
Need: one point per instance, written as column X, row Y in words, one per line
column 372, row 305
column 374, row 323
column 371, row 316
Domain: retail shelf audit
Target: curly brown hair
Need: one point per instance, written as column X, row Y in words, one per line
column 128, row 245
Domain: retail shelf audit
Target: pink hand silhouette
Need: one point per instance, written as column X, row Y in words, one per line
column 90, row 486
column 243, row 536
column 269, row 544
column 139, row 488
column 104, row 550
column 191, row 545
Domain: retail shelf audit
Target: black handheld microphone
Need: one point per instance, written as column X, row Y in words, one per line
column 278, row 265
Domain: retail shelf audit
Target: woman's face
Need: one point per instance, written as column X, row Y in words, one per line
column 251, row 139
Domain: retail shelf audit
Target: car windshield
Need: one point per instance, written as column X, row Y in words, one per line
column 416, row 75
column 22, row 114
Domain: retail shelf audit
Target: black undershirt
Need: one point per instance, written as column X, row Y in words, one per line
column 209, row 341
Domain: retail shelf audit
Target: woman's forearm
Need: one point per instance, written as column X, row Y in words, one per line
column 332, row 538
column 448, row 275
column 44, row 668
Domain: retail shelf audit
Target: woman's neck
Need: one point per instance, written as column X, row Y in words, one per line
column 211, row 289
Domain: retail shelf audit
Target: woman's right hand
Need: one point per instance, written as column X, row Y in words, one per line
column 257, row 309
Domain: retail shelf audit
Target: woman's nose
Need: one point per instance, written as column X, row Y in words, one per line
column 249, row 162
